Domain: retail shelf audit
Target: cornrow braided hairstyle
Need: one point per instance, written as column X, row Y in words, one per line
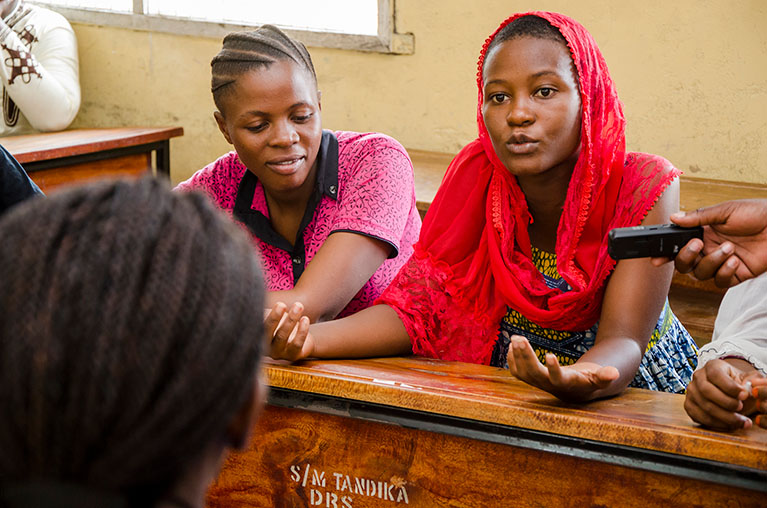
column 527, row 26
column 130, row 334
column 245, row 51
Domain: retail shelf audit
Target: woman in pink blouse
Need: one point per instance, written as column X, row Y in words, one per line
column 333, row 213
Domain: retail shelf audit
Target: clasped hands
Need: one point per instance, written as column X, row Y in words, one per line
column 289, row 332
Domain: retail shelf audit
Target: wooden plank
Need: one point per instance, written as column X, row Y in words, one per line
column 696, row 309
column 130, row 165
column 429, row 168
column 53, row 145
column 699, row 192
column 638, row 418
column 695, row 192
column 301, row 458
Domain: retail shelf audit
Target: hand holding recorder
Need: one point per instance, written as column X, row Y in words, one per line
column 734, row 243
column 657, row 241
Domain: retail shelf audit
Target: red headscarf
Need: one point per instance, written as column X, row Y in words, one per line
column 474, row 254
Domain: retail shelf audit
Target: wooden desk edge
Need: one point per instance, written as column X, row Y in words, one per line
column 103, row 139
column 585, row 424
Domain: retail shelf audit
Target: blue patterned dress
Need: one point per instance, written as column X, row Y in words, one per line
column 668, row 362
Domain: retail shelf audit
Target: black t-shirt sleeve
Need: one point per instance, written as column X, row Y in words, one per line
column 15, row 184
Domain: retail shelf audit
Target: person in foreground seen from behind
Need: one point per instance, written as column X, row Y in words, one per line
column 121, row 384
column 512, row 266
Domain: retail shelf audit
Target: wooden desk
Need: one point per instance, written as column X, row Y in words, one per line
column 58, row 158
column 418, row 432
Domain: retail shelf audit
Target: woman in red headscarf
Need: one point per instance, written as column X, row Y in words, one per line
column 512, row 265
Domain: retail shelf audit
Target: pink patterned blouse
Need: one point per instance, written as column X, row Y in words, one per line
column 364, row 185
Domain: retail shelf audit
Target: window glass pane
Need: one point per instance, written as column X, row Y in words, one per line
column 344, row 16
column 101, row 5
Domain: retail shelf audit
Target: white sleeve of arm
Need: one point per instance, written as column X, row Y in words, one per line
column 45, row 85
column 741, row 326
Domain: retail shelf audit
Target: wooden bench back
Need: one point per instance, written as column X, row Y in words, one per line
column 693, row 301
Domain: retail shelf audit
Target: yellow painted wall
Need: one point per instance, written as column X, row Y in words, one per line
column 692, row 75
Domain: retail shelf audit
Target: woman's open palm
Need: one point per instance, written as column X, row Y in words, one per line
column 571, row 383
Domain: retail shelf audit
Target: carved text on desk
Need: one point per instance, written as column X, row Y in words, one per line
column 290, row 445
column 338, row 490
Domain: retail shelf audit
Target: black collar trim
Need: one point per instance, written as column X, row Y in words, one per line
column 327, row 184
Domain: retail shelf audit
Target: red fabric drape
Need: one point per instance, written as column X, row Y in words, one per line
column 473, row 257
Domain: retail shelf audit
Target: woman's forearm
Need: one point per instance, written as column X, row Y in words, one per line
column 623, row 353
column 341, row 267
column 375, row 331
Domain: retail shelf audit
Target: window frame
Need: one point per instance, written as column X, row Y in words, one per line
column 386, row 41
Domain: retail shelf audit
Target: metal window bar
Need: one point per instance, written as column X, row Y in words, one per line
column 386, row 41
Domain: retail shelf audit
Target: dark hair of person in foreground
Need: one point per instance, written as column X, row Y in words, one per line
column 130, row 345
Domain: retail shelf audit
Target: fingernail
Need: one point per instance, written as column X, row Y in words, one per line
column 696, row 247
column 732, row 262
column 745, row 392
column 677, row 215
column 748, row 423
column 728, row 248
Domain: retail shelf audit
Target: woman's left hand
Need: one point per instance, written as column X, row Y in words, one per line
column 287, row 331
column 575, row 383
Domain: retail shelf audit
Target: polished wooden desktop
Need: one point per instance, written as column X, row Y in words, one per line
column 419, row 432
column 53, row 159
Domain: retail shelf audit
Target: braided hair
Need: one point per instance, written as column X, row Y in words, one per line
column 527, row 26
column 245, row 51
column 130, row 335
